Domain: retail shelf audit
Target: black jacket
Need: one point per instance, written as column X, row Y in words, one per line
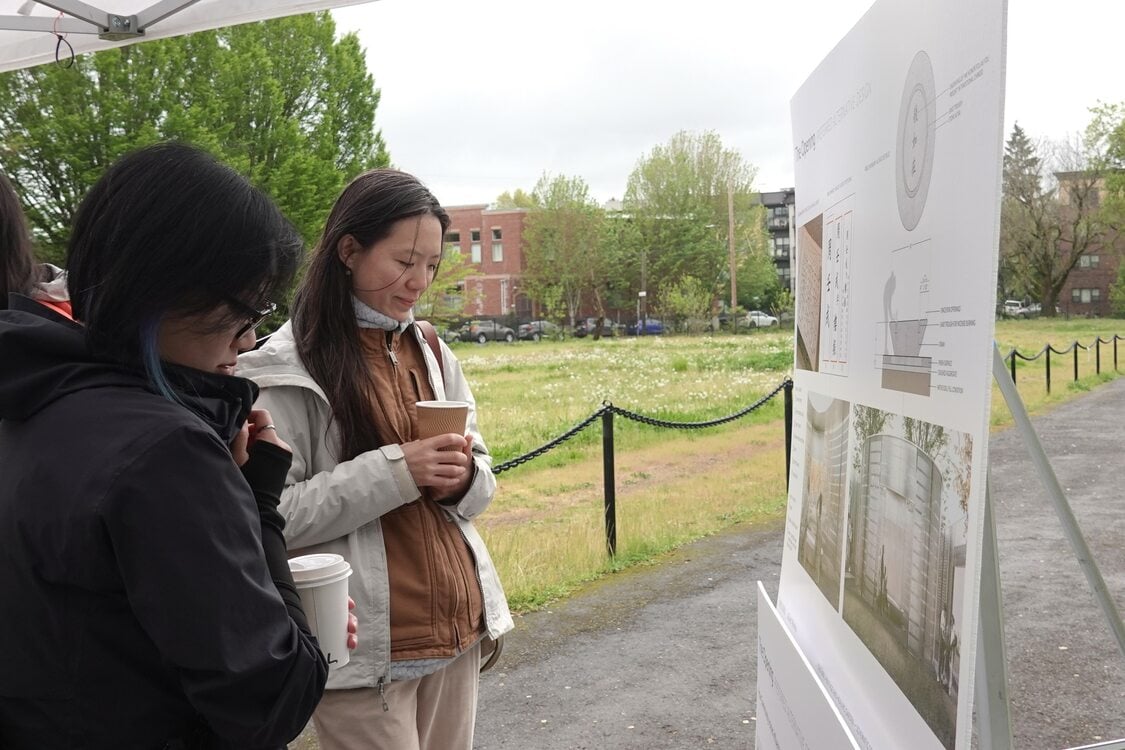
column 137, row 609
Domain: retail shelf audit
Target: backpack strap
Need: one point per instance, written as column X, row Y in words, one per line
column 430, row 334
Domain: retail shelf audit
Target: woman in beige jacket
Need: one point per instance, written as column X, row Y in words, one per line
column 341, row 380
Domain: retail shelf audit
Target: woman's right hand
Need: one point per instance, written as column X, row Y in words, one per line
column 261, row 427
column 440, row 462
column 258, row 426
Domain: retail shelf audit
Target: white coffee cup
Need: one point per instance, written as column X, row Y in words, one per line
column 322, row 582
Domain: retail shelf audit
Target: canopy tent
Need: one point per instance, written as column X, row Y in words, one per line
column 28, row 28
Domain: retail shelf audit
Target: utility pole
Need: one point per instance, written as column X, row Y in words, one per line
column 643, row 294
column 730, row 245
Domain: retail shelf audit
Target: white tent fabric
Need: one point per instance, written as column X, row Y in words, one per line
column 27, row 27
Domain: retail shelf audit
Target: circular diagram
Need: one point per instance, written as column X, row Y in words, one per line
column 915, row 151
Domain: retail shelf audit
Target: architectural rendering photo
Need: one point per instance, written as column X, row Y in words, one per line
column 822, row 514
column 905, row 559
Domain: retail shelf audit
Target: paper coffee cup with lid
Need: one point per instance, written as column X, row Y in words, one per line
column 441, row 417
column 322, row 582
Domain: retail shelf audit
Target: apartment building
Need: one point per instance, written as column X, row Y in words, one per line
column 492, row 240
column 780, row 227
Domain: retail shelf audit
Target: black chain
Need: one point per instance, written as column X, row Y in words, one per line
column 608, row 407
column 548, row 446
column 694, row 425
column 1049, row 347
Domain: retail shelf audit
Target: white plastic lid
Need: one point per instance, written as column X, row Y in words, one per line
column 313, row 568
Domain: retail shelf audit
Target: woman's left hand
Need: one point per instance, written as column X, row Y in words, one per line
column 443, row 463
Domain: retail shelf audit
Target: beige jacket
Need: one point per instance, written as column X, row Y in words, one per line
column 331, row 506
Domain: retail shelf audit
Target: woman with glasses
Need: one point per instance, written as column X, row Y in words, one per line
column 147, row 597
column 342, row 379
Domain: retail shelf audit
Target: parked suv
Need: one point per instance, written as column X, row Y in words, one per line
column 1013, row 308
column 609, row 328
column 536, row 329
column 486, row 330
column 759, row 319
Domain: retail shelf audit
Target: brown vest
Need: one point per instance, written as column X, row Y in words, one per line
column 437, row 608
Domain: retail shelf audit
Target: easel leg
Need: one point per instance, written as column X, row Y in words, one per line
column 993, row 710
column 1054, row 491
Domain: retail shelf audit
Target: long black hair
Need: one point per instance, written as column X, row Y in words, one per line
column 323, row 316
column 16, row 260
column 168, row 229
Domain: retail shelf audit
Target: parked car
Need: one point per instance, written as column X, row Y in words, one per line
column 1013, row 308
column 650, row 327
column 609, row 328
column 759, row 319
column 536, row 329
column 486, row 330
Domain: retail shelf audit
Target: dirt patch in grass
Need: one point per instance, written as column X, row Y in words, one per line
column 530, row 495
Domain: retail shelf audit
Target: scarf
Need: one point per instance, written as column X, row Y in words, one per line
column 369, row 317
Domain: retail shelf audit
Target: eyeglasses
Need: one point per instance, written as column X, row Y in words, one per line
column 254, row 317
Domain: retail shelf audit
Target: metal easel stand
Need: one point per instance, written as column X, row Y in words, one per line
column 993, row 709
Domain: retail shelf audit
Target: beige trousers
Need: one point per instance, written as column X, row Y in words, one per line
column 435, row 712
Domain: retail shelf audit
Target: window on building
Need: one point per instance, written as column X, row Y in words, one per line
column 1094, row 259
column 453, row 237
column 497, row 245
column 1096, row 295
column 1084, row 261
column 781, row 247
column 503, row 296
column 474, row 236
column 1085, row 296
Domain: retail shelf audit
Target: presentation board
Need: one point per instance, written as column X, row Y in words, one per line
column 898, row 146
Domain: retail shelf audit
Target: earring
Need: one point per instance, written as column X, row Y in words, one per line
column 347, row 271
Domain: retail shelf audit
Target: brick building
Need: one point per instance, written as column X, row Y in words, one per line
column 1086, row 291
column 492, row 240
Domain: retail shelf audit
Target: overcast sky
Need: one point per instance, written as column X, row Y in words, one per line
column 483, row 96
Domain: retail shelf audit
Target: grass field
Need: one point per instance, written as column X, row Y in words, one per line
column 546, row 529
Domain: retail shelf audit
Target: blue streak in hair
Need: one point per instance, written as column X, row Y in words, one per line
column 150, row 357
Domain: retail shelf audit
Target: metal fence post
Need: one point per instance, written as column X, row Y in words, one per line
column 608, row 480
column 1048, row 369
column 1115, row 352
column 1012, row 356
column 1075, row 361
column 788, row 430
column 1098, row 355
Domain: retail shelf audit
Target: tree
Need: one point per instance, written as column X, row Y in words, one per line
column 444, row 301
column 678, row 194
column 1117, row 292
column 929, row 437
column 758, row 285
column 518, row 199
column 686, row 301
column 563, row 243
column 281, row 101
column 866, row 421
column 1022, row 176
column 1048, row 222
